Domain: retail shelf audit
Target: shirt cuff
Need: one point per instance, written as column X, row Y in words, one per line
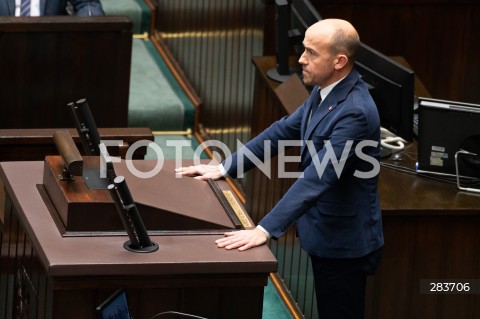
column 264, row 230
column 222, row 170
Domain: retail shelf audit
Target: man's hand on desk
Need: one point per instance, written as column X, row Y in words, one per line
column 201, row 172
column 242, row 239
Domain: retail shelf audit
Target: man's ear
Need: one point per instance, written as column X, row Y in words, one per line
column 340, row 61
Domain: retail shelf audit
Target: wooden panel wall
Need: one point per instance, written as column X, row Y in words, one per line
column 438, row 38
column 22, row 279
column 48, row 62
column 214, row 41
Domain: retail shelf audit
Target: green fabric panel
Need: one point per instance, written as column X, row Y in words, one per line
column 153, row 103
column 129, row 8
column 188, row 107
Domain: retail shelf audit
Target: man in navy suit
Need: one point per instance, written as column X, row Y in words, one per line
column 335, row 203
column 53, row 7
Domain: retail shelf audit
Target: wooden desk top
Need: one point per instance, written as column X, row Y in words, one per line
column 408, row 193
column 92, row 256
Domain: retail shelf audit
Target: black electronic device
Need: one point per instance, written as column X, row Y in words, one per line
column 445, row 128
column 115, row 306
column 139, row 240
column 291, row 22
column 392, row 88
column 86, row 127
column 302, row 15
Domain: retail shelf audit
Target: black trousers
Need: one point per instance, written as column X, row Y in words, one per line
column 340, row 285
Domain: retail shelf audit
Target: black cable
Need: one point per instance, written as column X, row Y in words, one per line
column 186, row 315
column 469, row 181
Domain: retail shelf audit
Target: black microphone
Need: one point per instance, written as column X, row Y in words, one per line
column 130, row 217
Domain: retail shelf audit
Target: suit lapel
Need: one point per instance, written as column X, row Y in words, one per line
column 326, row 107
column 314, row 102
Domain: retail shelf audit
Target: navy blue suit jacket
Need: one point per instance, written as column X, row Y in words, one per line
column 336, row 217
column 57, row 7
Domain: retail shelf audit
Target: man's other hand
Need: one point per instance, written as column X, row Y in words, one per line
column 242, row 239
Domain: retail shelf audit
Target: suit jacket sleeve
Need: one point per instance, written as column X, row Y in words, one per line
column 287, row 128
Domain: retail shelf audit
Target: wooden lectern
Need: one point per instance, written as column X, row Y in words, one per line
column 62, row 246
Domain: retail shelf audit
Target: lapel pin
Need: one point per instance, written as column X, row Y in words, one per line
column 330, row 107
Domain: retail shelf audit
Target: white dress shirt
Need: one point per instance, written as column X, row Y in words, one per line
column 34, row 8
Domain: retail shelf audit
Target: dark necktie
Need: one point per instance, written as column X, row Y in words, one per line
column 315, row 104
column 25, row 8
